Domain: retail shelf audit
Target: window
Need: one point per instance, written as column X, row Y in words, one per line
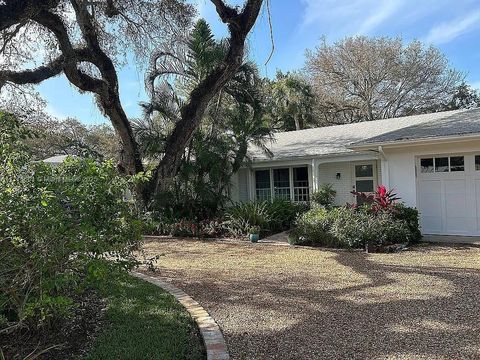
column 457, row 163
column 363, row 170
column 301, row 189
column 281, row 183
column 477, row 162
column 364, row 180
column 262, row 185
column 426, row 165
column 442, row 164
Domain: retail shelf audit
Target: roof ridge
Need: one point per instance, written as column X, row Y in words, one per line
column 447, row 112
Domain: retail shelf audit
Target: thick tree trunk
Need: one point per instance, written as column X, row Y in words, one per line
column 239, row 25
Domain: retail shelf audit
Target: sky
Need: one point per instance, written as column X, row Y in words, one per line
column 298, row 25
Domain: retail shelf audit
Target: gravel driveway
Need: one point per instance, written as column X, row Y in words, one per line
column 280, row 302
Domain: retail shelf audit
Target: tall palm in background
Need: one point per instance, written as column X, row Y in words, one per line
column 291, row 102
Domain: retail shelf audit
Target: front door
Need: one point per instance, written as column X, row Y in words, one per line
column 364, row 175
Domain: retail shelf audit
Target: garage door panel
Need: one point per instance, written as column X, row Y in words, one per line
column 457, row 225
column 430, row 198
column 456, row 199
column 431, row 224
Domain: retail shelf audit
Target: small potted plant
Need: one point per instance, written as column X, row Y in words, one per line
column 254, row 234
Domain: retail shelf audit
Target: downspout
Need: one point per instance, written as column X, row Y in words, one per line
column 384, row 167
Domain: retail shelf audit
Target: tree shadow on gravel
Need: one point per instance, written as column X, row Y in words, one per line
column 397, row 311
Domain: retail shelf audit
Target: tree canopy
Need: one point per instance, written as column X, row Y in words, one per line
column 233, row 119
column 87, row 40
column 361, row 78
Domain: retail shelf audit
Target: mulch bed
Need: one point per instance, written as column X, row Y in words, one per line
column 71, row 339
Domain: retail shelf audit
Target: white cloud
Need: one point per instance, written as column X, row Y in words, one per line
column 379, row 15
column 357, row 16
column 447, row 31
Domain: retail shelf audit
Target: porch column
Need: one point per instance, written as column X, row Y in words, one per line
column 251, row 184
column 315, row 175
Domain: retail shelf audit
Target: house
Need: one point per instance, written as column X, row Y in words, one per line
column 432, row 161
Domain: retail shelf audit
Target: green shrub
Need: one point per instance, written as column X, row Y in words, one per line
column 354, row 229
column 312, row 228
column 270, row 216
column 61, row 229
column 348, row 228
column 153, row 224
column 283, row 213
column 242, row 216
column 325, row 196
column 411, row 217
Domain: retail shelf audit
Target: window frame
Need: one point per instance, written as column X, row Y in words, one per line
column 293, row 190
column 449, row 165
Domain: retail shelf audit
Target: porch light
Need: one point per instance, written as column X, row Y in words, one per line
column 338, row 176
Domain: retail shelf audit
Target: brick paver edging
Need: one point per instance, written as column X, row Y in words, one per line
column 209, row 329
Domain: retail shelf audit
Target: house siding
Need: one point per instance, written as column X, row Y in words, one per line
column 401, row 165
column 242, row 185
column 344, row 185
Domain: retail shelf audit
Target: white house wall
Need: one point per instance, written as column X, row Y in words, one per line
column 343, row 186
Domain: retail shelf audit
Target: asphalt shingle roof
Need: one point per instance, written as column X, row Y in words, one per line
column 336, row 140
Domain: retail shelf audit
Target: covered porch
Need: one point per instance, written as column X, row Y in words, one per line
column 297, row 179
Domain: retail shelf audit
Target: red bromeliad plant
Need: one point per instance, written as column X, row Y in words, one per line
column 381, row 200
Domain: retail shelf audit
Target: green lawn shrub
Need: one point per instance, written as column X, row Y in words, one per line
column 346, row 227
column 62, row 229
column 324, row 196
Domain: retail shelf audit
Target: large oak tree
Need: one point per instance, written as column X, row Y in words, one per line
column 86, row 40
column 361, row 79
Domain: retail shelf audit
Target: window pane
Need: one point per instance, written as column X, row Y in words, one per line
column 363, row 170
column 262, row 178
column 477, row 162
column 281, row 183
column 457, row 163
column 426, row 165
column 300, row 177
column 441, row 164
column 301, row 191
column 262, row 185
column 364, row 185
column 281, row 178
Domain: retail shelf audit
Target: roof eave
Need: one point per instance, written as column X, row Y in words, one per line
column 412, row 142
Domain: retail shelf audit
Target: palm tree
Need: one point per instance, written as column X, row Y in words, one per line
column 233, row 119
column 291, row 102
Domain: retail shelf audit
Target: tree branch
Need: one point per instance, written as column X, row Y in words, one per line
column 193, row 111
column 34, row 76
column 14, row 11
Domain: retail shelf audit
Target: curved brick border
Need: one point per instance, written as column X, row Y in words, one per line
column 210, row 331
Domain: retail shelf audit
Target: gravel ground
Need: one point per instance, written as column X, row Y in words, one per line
column 279, row 302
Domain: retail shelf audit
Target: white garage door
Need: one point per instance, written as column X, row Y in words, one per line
column 448, row 193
